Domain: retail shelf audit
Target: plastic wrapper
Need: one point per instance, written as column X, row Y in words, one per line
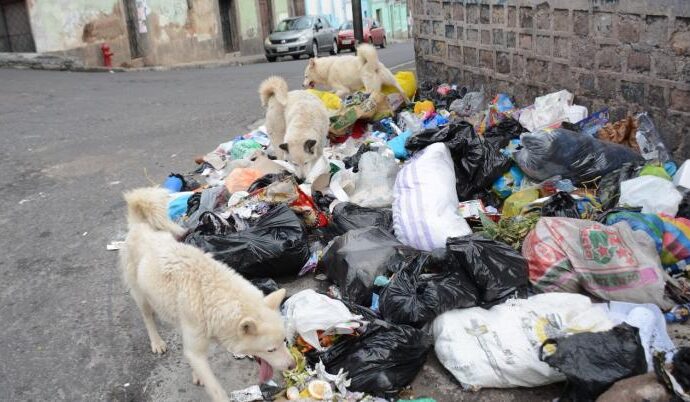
column 498, row 271
column 654, row 194
column 560, row 204
column 413, row 297
column 241, row 178
column 649, row 141
column 407, row 81
column 571, row 155
column 592, row 362
column 608, row 262
column 274, row 246
column 354, row 259
column 266, row 180
column 347, row 216
column 477, row 163
column 609, row 189
column 425, row 206
column 470, row 104
column 375, row 180
column 499, row 347
column 384, row 358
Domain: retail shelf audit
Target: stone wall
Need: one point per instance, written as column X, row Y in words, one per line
column 629, row 55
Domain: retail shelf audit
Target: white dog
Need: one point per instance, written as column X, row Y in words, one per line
column 202, row 297
column 297, row 121
column 347, row 74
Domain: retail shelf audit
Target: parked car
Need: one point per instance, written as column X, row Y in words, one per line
column 301, row 35
column 373, row 33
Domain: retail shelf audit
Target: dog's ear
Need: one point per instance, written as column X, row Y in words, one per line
column 283, row 146
column 312, row 63
column 247, row 326
column 309, row 146
column 275, row 298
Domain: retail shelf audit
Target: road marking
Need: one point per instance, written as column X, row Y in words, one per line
column 401, row 65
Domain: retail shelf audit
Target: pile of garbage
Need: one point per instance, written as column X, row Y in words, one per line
column 523, row 245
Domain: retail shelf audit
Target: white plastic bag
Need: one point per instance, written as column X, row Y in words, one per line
column 499, row 348
column 307, row 312
column 425, row 206
column 550, row 109
column 375, row 180
column 654, row 194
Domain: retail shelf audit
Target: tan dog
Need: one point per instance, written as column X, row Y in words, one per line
column 347, row 74
column 296, row 121
column 203, row 298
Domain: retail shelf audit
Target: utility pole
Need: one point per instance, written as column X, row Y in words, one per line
column 357, row 20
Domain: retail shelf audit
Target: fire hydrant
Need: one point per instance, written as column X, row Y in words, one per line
column 107, row 55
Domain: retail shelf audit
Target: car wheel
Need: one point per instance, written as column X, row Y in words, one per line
column 314, row 49
column 271, row 59
column 371, row 41
column 353, row 49
column 296, row 56
column 334, row 50
column 384, row 43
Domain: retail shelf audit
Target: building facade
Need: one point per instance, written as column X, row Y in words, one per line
column 391, row 14
column 628, row 55
column 141, row 32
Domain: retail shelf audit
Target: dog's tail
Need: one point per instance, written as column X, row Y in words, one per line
column 150, row 206
column 273, row 87
column 367, row 54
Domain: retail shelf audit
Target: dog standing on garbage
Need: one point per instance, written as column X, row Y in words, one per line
column 297, row 121
column 347, row 74
column 202, row 297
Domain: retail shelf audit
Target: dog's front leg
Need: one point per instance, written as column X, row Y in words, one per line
column 196, row 351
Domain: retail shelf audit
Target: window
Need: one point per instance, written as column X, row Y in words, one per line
column 294, row 24
column 346, row 25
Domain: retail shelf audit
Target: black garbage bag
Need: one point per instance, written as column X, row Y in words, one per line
column 593, row 361
column 684, row 207
column 193, row 203
column 681, row 368
column 498, row 271
column 506, row 130
column 356, row 258
column 323, row 201
column 348, row 216
column 267, row 179
column 478, row 163
column 415, row 298
column 609, row 190
column 265, row 285
column 571, row 155
column 560, row 204
column 213, row 224
column 275, row 246
column 385, row 358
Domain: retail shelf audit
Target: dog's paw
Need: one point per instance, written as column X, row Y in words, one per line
column 158, row 346
column 196, row 380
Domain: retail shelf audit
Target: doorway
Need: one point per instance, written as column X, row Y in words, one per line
column 132, row 20
column 15, row 29
column 266, row 11
column 228, row 23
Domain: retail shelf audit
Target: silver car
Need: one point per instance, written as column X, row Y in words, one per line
column 301, row 35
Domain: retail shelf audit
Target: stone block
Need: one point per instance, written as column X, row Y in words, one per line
column 632, row 92
column 544, row 45
column 512, row 17
column 560, row 75
column 639, row 62
column 484, row 14
column 581, row 23
column 655, row 97
column 459, row 12
column 526, row 17
column 609, row 58
column 472, row 35
column 629, row 28
column 503, row 62
column 543, row 16
column 510, row 39
column 439, row 28
column 656, row 30
column 537, row 70
column 582, row 53
column 486, row 37
column 526, row 41
column 469, row 56
column 680, row 100
column 486, row 59
column 472, row 11
column 561, row 20
column 664, row 65
column 586, row 83
column 603, row 24
column 450, row 31
column 680, row 43
column 607, row 87
column 497, row 14
column 561, row 46
column 499, row 38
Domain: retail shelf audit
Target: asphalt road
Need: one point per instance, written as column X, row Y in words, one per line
column 70, row 144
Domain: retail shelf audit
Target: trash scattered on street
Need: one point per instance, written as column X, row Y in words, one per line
column 524, row 244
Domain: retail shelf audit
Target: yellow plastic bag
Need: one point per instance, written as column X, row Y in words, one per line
column 423, row 107
column 329, row 99
column 406, row 80
column 514, row 204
